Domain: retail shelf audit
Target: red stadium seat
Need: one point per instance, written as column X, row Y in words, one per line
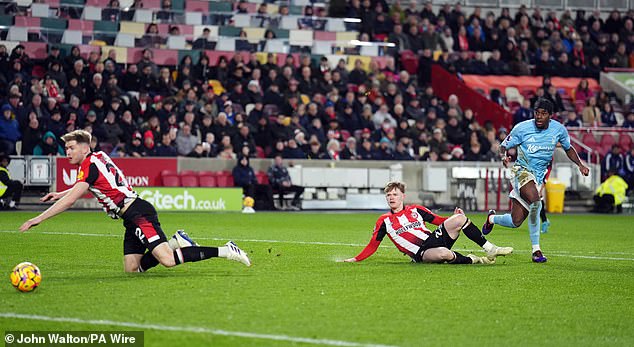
column 625, row 142
column 189, row 181
column 260, row 152
column 207, row 181
column 224, row 179
column 262, row 177
column 607, row 140
column 169, row 173
column 589, row 140
column 409, row 61
column 171, row 181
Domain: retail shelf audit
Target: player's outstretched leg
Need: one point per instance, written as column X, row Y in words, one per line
column 443, row 254
column 167, row 257
column 459, row 222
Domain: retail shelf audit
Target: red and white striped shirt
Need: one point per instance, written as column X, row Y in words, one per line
column 107, row 182
column 406, row 229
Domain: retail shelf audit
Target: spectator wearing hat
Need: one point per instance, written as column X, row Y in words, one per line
column 273, row 96
column 56, row 124
column 149, row 148
column 315, row 150
column 49, row 146
column 90, row 120
column 57, row 73
column 134, row 148
column 99, row 107
column 9, row 130
column 245, row 138
column 384, row 151
column 366, row 150
column 19, row 54
column 350, row 120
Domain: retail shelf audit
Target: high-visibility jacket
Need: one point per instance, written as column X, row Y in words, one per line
column 614, row 185
column 3, row 187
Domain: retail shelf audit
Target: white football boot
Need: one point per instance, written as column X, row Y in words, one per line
column 497, row 251
column 481, row 260
column 181, row 240
column 236, row 254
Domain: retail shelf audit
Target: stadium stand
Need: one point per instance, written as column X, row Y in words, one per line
column 303, row 78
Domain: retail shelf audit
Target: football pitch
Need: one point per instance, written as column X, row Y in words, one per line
column 296, row 294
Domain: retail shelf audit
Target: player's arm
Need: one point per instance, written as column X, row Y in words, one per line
column 373, row 245
column 571, row 152
column 431, row 217
column 76, row 192
column 574, row 157
column 512, row 140
column 54, row 196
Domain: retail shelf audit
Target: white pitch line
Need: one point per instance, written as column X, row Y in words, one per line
column 318, row 243
column 200, row 330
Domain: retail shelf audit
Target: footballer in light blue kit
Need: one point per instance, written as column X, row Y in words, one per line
column 535, row 140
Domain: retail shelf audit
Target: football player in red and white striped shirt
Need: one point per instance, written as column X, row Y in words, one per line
column 406, row 227
column 99, row 175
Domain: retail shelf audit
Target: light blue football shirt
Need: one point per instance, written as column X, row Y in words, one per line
column 535, row 147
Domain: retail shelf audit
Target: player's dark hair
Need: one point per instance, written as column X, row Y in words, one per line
column 79, row 136
column 544, row 104
column 394, row 185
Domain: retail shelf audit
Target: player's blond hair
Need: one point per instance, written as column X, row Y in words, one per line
column 79, row 136
column 394, row 185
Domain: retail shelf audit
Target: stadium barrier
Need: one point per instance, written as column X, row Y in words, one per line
column 192, row 199
column 475, row 186
column 140, row 172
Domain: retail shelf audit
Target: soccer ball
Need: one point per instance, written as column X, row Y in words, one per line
column 248, row 201
column 25, row 277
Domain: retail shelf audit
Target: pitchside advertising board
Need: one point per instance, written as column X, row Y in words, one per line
column 145, row 177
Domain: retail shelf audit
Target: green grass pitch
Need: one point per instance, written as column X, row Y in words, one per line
column 296, row 294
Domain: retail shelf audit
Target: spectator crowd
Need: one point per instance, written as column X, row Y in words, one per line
column 241, row 107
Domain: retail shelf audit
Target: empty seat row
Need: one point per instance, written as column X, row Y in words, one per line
column 190, row 178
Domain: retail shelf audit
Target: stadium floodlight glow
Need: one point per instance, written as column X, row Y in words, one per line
column 352, row 20
column 360, row 43
column 366, row 43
